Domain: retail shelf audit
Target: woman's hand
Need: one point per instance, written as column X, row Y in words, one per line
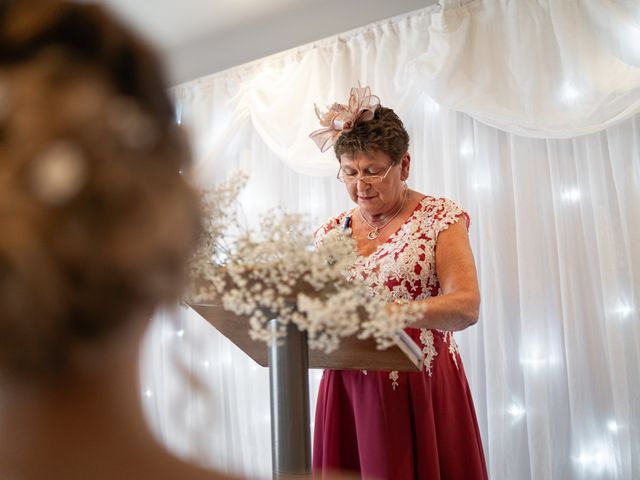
column 458, row 306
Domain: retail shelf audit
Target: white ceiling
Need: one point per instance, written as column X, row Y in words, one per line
column 172, row 24
column 199, row 37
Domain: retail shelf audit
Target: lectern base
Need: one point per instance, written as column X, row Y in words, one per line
column 290, row 421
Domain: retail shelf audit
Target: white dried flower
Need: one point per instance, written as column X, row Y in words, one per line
column 274, row 272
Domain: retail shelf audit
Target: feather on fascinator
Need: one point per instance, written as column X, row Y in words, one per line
column 342, row 118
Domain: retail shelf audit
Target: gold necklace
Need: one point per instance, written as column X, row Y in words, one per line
column 373, row 234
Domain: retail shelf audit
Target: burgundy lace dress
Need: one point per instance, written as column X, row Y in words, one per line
column 407, row 425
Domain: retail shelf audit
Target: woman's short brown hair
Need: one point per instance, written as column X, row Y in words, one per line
column 77, row 260
column 385, row 132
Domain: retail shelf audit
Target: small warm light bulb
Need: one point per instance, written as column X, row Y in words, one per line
column 569, row 92
column 571, row 194
column 535, row 358
column 466, row 149
column 598, row 459
column 482, row 181
column 584, row 459
column 226, row 359
column 633, row 40
column 432, row 105
column 516, row 411
column 624, row 310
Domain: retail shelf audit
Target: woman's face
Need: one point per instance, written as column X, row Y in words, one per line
column 375, row 198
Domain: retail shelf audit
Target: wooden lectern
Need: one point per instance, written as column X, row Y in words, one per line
column 288, row 361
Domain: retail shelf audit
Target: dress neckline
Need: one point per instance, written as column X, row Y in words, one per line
column 395, row 233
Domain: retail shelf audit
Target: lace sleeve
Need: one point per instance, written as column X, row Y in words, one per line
column 446, row 212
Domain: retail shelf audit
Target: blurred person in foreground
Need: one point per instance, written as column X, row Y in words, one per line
column 96, row 225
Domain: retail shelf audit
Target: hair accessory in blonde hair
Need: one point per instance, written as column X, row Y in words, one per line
column 342, row 118
column 59, row 173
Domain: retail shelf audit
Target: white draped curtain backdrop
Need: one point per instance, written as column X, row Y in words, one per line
column 526, row 113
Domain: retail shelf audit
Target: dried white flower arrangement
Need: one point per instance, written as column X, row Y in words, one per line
column 276, row 272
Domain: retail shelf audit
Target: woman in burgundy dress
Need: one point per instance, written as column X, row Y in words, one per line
column 412, row 247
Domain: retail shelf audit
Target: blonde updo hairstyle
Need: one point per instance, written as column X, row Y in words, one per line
column 96, row 222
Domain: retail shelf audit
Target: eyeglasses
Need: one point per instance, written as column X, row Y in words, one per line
column 353, row 178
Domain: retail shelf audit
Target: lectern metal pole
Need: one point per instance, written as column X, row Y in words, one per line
column 289, row 386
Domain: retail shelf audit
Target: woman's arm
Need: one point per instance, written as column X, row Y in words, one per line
column 458, row 306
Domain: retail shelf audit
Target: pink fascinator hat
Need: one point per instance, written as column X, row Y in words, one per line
column 342, row 118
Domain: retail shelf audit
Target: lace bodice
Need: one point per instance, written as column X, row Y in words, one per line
column 404, row 267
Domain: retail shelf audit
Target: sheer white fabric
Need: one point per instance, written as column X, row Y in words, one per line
column 546, row 69
column 554, row 360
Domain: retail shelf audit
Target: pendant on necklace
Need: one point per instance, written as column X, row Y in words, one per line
column 373, row 234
